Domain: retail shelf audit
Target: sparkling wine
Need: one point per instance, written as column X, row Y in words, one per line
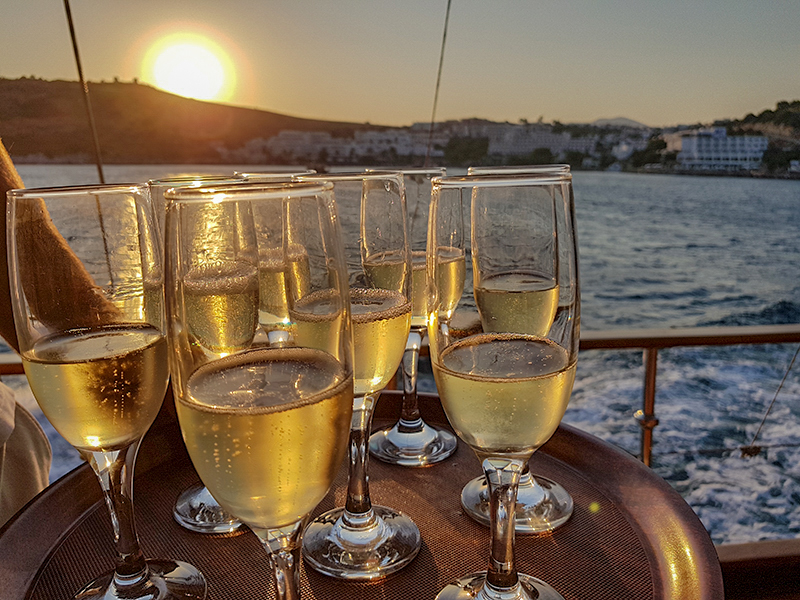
column 419, row 284
column 222, row 306
column 450, row 279
column 504, row 393
column 386, row 270
column 517, row 302
column 449, row 283
column 279, row 280
column 267, row 430
column 316, row 321
column 101, row 388
column 381, row 321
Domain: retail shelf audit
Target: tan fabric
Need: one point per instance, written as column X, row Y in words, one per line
column 25, row 456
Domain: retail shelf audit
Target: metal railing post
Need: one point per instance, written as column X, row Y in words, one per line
column 646, row 416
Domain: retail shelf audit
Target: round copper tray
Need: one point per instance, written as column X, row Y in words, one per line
column 630, row 537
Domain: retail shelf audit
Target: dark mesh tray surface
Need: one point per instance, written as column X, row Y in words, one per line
column 630, row 536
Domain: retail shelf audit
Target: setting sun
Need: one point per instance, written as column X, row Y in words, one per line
column 192, row 66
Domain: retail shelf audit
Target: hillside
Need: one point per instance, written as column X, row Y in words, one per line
column 136, row 123
column 781, row 126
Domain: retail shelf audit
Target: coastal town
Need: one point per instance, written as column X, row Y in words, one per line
column 45, row 122
column 610, row 146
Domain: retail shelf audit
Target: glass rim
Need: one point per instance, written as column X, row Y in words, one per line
column 501, row 180
column 294, row 173
column 414, row 171
column 166, row 181
column 78, row 190
column 245, row 191
column 350, row 176
column 555, row 168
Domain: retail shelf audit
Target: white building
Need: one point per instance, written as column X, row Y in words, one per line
column 367, row 143
column 517, row 140
column 713, row 150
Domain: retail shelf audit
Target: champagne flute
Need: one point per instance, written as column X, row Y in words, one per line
column 362, row 540
column 273, row 310
column 87, row 289
column 543, row 505
column 411, row 442
column 195, row 508
column 265, row 426
column 505, row 390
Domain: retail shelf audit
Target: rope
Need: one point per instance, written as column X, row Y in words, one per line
column 85, row 87
column 752, row 449
column 436, row 92
column 745, row 450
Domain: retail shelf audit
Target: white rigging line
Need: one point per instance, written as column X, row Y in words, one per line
column 438, row 81
column 752, row 449
column 85, row 87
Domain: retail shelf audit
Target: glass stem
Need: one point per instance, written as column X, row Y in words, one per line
column 358, row 502
column 114, row 470
column 502, row 475
column 410, row 420
column 283, row 547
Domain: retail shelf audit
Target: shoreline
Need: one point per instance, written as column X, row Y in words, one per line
column 22, row 160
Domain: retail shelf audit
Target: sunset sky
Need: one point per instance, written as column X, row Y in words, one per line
column 574, row 61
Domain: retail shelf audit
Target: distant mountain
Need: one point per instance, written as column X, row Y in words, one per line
column 136, row 123
column 618, row 122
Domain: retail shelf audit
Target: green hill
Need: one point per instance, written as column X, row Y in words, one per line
column 136, row 123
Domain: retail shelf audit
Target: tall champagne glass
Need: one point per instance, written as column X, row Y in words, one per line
column 273, row 310
column 195, row 508
column 87, row 289
column 265, row 426
column 411, row 442
column 543, row 505
column 362, row 540
column 506, row 388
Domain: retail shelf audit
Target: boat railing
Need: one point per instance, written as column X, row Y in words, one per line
column 650, row 341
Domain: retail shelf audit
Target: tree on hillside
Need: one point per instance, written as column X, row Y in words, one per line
column 463, row 151
column 651, row 154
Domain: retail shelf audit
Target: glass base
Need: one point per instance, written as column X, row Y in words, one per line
column 169, row 580
column 427, row 446
column 387, row 542
column 472, row 586
column 542, row 504
column 197, row 511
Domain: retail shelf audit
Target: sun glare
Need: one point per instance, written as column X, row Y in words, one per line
column 191, row 66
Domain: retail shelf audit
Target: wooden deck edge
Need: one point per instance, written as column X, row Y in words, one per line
column 761, row 570
column 783, row 550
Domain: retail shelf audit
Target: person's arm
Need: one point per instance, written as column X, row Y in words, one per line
column 9, row 180
column 68, row 296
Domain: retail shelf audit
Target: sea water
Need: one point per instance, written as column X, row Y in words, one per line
column 660, row 251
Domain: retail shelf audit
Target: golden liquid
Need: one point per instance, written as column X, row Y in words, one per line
column 222, row 306
column 386, row 270
column 280, row 280
column 449, row 283
column 317, row 322
column 153, row 303
column 267, row 431
column 517, row 302
column 504, row 393
column 381, row 322
column 100, row 388
column 419, row 285
column 450, row 279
